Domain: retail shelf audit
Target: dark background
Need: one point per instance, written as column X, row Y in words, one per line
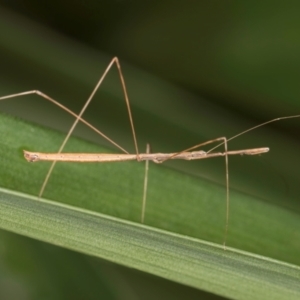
column 242, row 56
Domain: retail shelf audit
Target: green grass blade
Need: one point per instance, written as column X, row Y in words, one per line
column 202, row 265
column 177, row 202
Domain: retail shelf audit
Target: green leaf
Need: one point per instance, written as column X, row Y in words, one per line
column 189, row 261
column 116, row 189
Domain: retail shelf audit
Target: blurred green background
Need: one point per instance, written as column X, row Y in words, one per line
column 197, row 69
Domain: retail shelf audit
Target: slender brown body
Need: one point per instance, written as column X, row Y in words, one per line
column 155, row 157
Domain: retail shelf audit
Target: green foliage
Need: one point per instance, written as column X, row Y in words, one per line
column 116, row 189
column 95, row 208
column 185, row 260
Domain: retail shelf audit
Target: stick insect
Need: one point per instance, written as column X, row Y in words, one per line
column 188, row 154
